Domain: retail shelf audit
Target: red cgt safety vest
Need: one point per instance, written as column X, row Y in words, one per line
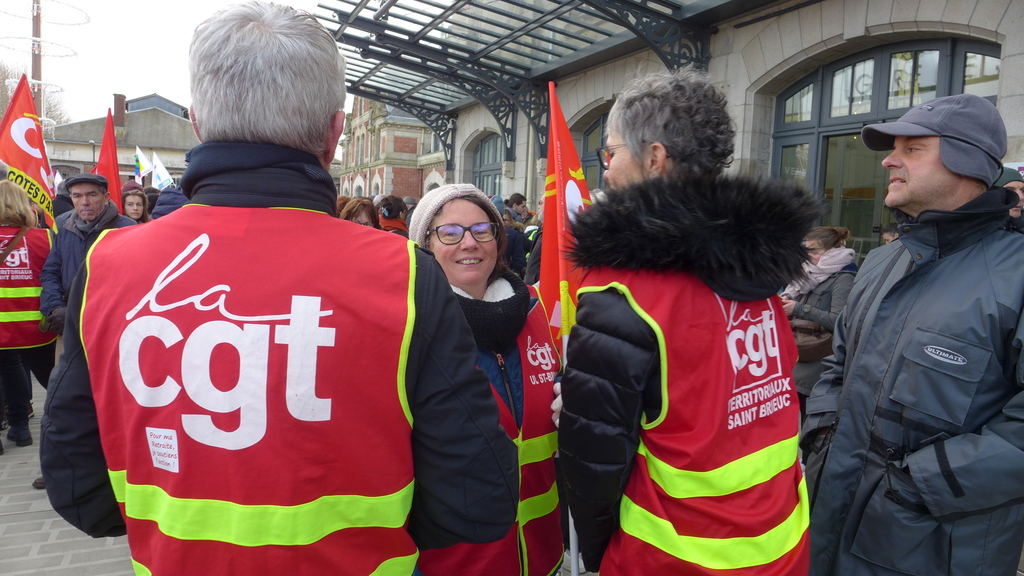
column 716, row 487
column 246, row 427
column 20, row 289
column 533, row 547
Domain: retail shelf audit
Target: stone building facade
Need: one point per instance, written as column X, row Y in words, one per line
column 385, row 151
column 802, row 78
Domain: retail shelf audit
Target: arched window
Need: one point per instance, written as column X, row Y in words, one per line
column 819, row 118
column 593, row 138
column 359, row 191
column 487, row 165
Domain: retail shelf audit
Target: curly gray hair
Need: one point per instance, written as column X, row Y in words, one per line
column 684, row 112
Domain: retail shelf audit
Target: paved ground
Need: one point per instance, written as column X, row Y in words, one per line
column 35, row 540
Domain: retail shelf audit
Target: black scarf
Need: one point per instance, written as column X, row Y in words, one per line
column 496, row 325
column 248, row 175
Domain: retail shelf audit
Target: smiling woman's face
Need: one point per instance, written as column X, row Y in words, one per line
column 468, row 264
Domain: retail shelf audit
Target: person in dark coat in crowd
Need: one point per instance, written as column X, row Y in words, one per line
column 171, row 198
column 916, row 428
column 62, row 202
column 890, row 232
column 152, row 195
column 228, row 374
column 678, row 434
column 515, row 250
column 1011, row 178
column 392, row 215
column 94, row 212
column 820, row 294
column 410, row 207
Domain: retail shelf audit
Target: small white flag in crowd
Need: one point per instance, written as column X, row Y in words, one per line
column 142, row 165
column 161, row 178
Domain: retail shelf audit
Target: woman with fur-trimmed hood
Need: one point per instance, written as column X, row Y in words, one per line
column 678, row 436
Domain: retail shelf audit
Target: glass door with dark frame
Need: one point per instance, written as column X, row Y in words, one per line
column 855, row 185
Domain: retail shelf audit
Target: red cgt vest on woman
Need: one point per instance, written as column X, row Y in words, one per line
column 533, row 547
column 20, row 288
column 716, row 487
column 251, row 392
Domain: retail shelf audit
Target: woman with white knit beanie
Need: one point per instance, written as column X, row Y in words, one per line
column 465, row 232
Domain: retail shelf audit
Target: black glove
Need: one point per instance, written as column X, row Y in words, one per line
column 55, row 321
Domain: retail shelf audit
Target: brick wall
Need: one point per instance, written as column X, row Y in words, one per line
column 407, row 181
column 405, row 145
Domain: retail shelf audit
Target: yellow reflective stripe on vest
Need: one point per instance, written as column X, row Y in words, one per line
column 538, row 449
column 402, row 565
column 140, row 570
column 410, row 321
column 539, row 506
column 31, row 315
column 247, row 525
column 718, row 553
column 735, row 476
column 24, row 292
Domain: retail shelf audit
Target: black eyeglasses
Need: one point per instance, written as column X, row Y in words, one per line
column 604, row 154
column 453, row 233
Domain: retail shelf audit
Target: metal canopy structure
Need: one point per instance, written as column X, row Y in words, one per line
column 433, row 58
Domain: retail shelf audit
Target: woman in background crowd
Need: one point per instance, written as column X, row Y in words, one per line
column 821, row 294
column 361, row 211
column 25, row 248
column 135, row 205
column 392, row 215
column 465, row 232
column 339, row 204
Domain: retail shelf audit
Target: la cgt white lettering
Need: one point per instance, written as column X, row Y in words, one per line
column 760, row 342
column 302, row 335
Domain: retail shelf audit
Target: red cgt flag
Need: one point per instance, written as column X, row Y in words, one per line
column 108, row 166
column 565, row 195
column 23, row 150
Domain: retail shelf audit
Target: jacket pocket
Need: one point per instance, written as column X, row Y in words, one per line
column 897, row 532
column 940, row 375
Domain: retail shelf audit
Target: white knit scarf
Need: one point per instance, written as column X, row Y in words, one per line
column 831, row 261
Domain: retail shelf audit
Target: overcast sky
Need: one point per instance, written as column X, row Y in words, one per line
column 131, row 48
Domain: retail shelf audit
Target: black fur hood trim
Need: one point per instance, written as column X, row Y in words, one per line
column 740, row 236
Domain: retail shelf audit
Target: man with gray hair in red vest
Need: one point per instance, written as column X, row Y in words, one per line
column 249, row 399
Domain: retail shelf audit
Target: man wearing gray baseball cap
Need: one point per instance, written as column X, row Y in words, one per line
column 915, row 431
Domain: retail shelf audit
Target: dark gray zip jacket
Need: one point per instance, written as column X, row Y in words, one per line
column 923, row 470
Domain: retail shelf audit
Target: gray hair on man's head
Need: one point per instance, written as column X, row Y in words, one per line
column 266, row 73
column 684, row 112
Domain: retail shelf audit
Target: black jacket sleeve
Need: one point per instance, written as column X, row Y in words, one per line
column 610, row 381
column 533, row 263
column 467, row 470
column 70, row 453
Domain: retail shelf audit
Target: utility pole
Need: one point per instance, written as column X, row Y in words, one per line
column 37, row 57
